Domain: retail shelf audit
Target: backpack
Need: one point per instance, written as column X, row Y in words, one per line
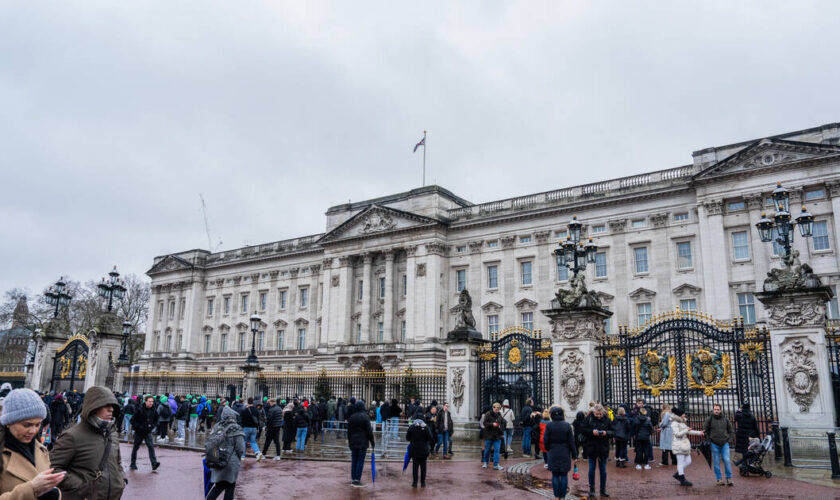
column 217, row 449
column 165, row 410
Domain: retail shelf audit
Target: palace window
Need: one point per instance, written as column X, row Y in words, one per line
column 223, row 343
column 244, row 308
column 358, row 333
column 746, row 307
column 688, row 305
column 740, row 245
column 404, row 279
column 183, row 308
column 561, row 235
column 380, row 332
column 600, row 228
column 492, row 277
column 304, row 297
column 260, row 341
column 814, row 194
column 528, row 320
column 525, row 239
column 242, row 342
column 525, row 271
column 160, row 311
column 777, row 248
column 641, row 259
column 600, row 265
column 402, row 331
column 684, row 259
column 301, row 338
column 210, row 302
column 281, row 338
column 643, row 312
column 227, row 305
column 735, row 206
column 461, row 249
column 171, row 309
column 821, row 241
column 282, row 299
column 263, row 301
column 207, row 343
column 460, row 279
column 493, row 325
column 168, row 342
column 179, row 342
column 381, row 288
column 683, row 216
column 639, row 223
column 361, row 294
column 831, row 311
column 493, row 244
column 562, row 271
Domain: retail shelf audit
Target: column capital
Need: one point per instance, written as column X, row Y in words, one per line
column 713, row 207
column 345, row 260
column 833, row 188
column 367, row 258
column 390, row 254
column 293, row 272
column 755, row 201
column 315, row 268
column 327, row 262
column 410, row 250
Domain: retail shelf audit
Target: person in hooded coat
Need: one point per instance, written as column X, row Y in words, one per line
column 82, row 449
column 59, row 416
column 559, row 439
column 288, row 427
column 421, row 438
column 746, row 427
column 224, row 480
column 359, row 434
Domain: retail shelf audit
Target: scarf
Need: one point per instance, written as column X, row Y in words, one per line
column 26, row 450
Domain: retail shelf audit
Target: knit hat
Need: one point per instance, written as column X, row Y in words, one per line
column 22, row 404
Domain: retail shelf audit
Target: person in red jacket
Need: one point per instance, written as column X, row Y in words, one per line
column 546, row 418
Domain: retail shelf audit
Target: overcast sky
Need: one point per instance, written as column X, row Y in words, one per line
column 114, row 116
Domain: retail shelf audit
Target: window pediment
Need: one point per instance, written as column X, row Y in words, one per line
column 642, row 293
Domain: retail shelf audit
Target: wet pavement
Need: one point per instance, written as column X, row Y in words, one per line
column 180, row 474
column 657, row 483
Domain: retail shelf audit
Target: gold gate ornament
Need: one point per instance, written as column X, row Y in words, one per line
column 656, row 372
column 708, row 370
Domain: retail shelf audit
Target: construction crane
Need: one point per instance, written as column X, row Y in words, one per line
column 207, row 226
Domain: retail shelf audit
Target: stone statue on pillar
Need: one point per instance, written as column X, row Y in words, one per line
column 464, row 319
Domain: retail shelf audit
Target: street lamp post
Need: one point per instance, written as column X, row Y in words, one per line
column 112, row 289
column 573, row 253
column 57, row 296
column 126, row 332
column 255, row 326
column 783, row 225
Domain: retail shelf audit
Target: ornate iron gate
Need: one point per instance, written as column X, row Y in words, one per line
column 70, row 365
column 515, row 365
column 690, row 360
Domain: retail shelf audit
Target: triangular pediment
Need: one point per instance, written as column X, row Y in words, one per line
column 491, row 307
column 168, row 264
column 686, row 290
column 642, row 293
column 766, row 154
column 526, row 305
column 375, row 220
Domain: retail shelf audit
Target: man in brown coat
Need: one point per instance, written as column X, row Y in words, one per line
column 90, row 451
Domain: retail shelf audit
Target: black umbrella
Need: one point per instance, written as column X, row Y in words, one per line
column 705, row 449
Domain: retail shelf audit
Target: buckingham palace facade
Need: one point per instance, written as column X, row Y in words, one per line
column 377, row 288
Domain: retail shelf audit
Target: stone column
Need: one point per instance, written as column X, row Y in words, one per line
column 462, row 379
column 715, row 276
column 251, row 377
column 314, row 302
column 105, row 346
column 388, row 313
column 327, row 314
column 344, row 303
column 410, row 293
column 796, row 318
column 367, row 260
column 576, row 333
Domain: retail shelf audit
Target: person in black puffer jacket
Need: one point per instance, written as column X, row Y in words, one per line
column 359, row 434
column 420, row 436
column 559, row 441
column 534, row 429
column 642, row 431
column 623, row 433
column 745, row 427
column 273, row 424
column 597, row 429
column 577, row 425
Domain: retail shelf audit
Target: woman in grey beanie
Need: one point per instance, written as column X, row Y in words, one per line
column 26, row 470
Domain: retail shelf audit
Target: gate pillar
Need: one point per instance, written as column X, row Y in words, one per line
column 105, row 344
column 797, row 321
column 462, row 383
column 576, row 333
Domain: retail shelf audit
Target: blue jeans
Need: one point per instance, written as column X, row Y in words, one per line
column 442, row 438
column 251, row 438
column 526, row 440
column 559, row 481
column 127, row 423
column 717, row 453
column 495, row 444
column 357, row 463
column 602, row 466
column 508, row 438
column 180, row 434
column 193, row 422
column 395, row 427
column 300, row 440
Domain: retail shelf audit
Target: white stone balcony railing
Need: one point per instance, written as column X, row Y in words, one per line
column 277, row 247
column 565, row 195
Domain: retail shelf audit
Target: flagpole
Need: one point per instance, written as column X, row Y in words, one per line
column 424, row 157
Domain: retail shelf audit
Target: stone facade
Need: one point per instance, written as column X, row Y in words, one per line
column 380, row 286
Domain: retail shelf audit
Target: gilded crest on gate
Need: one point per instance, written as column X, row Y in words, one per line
column 708, row 370
column 513, row 355
column 656, row 372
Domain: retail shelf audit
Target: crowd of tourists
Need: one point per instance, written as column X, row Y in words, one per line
column 592, row 434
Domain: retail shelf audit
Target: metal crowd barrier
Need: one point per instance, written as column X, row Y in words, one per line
column 811, row 451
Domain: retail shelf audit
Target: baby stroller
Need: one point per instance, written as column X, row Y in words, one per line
column 751, row 463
